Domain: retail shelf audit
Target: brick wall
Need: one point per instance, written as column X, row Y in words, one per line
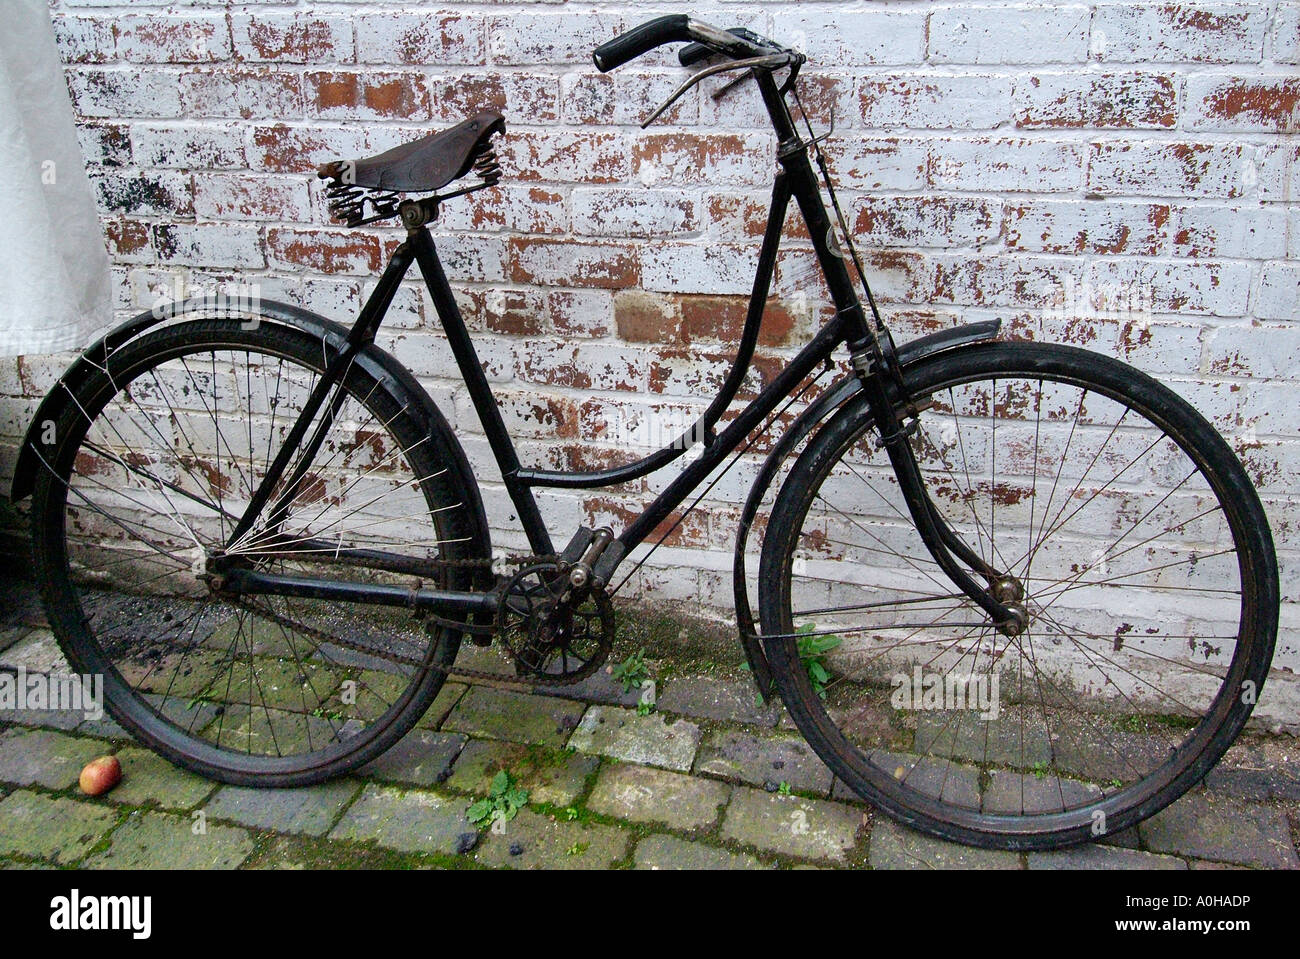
column 1120, row 175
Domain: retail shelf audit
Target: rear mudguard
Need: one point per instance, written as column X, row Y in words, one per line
column 814, row 415
column 333, row 338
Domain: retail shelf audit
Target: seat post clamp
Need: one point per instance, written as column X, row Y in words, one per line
column 416, row 213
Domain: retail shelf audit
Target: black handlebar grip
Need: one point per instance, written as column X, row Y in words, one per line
column 653, row 33
column 693, row 53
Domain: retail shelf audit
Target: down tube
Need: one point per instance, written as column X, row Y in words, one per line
column 818, row 350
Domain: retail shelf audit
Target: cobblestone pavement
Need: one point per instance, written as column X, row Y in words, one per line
column 696, row 784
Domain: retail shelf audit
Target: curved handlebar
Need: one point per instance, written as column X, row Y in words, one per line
column 653, row 33
column 675, row 28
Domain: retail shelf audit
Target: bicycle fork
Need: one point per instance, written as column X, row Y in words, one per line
column 875, row 363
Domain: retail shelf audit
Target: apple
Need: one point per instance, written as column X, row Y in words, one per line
column 100, row 775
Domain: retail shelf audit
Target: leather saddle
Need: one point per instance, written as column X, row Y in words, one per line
column 423, row 165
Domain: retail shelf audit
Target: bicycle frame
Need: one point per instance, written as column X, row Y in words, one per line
column 869, row 345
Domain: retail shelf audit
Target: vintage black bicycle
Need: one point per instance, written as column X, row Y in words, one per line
column 1044, row 586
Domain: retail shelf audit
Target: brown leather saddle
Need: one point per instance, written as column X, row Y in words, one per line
column 423, row 165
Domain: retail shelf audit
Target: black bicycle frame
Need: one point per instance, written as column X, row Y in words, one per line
column 868, row 343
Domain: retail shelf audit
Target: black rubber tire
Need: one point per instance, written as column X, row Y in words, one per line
column 1202, row 748
column 428, row 446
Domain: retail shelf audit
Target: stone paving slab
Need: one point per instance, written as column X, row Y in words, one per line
column 160, row 841
column 534, row 841
column 1222, row 829
column 1092, row 856
column 104, row 728
column 1015, row 792
column 897, row 847
column 420, row 758
column 297, row 811
column 599, row 687
column 651, row 739
column 10, row 635
column 516, row 717
column 646, row 794
column 557, row 778
column 37, row 652
column 51, row 827
column 409, row 821
column 670, row 852
column 765, row 761
column 442, row 704
column 722, row 700
column 792, row 825
column 956, row 783
column 148, row 779
column 1260, row 782
column 43, row 757
column 962, row 735
column 382, row 818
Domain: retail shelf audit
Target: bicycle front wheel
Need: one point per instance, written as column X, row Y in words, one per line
column 1117, row 519
column 156, row 460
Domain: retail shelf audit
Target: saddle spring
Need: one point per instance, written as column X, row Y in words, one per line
column 347, row 202
column 488, row 169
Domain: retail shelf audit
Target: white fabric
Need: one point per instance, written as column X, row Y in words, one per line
column 54, row 273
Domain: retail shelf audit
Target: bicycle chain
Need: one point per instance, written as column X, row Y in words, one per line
column 493, row 563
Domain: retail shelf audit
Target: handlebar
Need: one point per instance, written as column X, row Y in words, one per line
column 653, row 33
column 679, row 28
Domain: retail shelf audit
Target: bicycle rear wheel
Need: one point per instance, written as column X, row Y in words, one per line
column 156, row 459
column 1142, row 559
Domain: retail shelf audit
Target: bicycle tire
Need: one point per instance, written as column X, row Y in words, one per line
column 930, row 777
column 112, row 620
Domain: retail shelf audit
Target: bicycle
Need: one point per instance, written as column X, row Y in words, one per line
column 262, row 532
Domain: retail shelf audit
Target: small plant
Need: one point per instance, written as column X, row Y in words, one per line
column 783, row 789
column 1039, row 769
column 570, row 813
column 503, row 802
column 644, row 708
column 811, row 650
column 631, row 671
column 577, row 849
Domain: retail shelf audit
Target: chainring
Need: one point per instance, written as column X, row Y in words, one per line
column 557, row 642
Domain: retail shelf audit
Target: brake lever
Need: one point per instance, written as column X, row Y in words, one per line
column 771, row 61
column 787, row 84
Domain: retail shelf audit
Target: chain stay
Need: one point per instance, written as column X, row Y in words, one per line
column 517, row 559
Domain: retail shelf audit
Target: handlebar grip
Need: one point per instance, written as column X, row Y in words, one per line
column 653, row 33
column 693, row 53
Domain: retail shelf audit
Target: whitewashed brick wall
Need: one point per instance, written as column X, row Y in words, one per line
column 1035, row 162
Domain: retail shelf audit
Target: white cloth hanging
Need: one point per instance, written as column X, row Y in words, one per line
column 54, row 274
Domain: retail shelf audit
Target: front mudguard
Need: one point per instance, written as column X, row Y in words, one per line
column 817, row 412
column 333, row 338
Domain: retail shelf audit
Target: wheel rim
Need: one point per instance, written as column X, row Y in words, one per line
column 1063, row 754
column 274, row 685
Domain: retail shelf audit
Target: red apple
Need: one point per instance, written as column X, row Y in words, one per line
column 100, row 775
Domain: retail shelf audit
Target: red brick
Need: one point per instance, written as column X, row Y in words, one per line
column 323, row 250
column 520, row 97
column 1269, row 104
column 1112, row 100
column 354, row 95
column 646, row 318
column 566, row 263
column 291, row 38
